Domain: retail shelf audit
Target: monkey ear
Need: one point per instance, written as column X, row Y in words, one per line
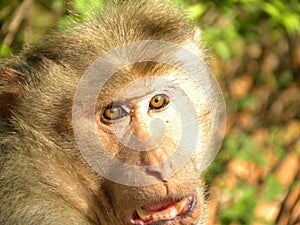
column 10, row 87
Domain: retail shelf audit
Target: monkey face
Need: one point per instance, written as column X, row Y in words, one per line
column 146, row 127
column 145, row 124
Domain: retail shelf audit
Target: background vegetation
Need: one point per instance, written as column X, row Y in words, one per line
column 255, row 47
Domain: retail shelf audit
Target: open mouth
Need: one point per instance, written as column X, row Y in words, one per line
column 164, row 211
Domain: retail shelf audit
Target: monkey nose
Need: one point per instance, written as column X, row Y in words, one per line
column 141, row 131
column 160, row 171
column 140, row 124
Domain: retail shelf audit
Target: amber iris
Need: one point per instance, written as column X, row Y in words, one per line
column 158, row 102
column 114, row 112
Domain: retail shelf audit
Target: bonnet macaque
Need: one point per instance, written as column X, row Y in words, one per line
column 133, row 79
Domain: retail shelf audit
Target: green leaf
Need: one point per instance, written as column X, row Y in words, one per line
column 196, row 11
column 222, row 49
column 291, row 23
column 273, row 188
column 57, row 5
column 247, row 102
column 85, row 7
column 243, row 206
column 231, row 143
column 272, row 10
column 5, row 51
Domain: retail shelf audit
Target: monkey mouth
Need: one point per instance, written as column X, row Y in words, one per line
column 164, row 211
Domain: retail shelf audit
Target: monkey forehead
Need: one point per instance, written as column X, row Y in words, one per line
column 175, row 84
column 144, row 87
column 139, row 78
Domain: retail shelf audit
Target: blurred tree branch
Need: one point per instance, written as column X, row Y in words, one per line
column 11, row 29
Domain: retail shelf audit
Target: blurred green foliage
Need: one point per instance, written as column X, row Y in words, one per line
column 242, row 204
column 245, row 21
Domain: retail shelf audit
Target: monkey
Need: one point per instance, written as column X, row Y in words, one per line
column 150, row 112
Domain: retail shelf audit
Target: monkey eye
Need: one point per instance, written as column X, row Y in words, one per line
column 114, row 112
column 158, row 102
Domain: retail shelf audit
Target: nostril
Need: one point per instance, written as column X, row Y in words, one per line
column 161, row 172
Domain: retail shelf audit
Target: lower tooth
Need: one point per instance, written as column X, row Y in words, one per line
column 158, row 216
column 155, row 216
column 169, row 215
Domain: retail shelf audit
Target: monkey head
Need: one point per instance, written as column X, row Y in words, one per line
column 120, row 117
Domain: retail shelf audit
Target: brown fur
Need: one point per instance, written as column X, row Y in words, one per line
column 43, row 177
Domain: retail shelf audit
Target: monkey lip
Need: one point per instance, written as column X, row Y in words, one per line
column 164, row 211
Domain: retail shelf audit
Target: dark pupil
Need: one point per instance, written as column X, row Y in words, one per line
column 157, row 100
